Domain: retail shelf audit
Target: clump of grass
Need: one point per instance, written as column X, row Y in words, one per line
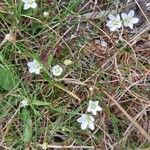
column 116, row 75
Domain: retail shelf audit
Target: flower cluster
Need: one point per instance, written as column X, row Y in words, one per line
column 86, row 120
column 35, row 67
column 126, row 20
column 29, row 4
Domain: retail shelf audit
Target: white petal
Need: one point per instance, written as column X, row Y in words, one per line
column 118, row 17
column 33, row 5
column 31, row 70
column 113, row 28
column 109, row 23
column 37, row 71
column 30, row 64
column 134, row 20
column 130, row 25
column 94, row 112
column 91, row 118
column 131, row 13
column 91, row 126
column 124, row 16
column 147, row 4
column 119, row 25
column 89, row 109
column 99, row 108
column 125, row 24
column 84, row 125
column 26, row 6
column 96, row 103
column 82, row 118
column 111, row 17
column 90, row 103
column 35, row 61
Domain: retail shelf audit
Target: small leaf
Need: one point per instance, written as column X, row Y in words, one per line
column 27, row 126
column 28, row 12
column 50, row 58
column 2, row 58
column 40, row 103
column 7, row 79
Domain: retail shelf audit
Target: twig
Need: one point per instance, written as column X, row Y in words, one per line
column 141, row 130
column 67, row 147
column 142, row 11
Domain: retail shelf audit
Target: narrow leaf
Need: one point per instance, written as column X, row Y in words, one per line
column 40, row 103
column 27, row 126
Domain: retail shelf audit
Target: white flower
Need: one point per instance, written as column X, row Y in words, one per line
column 93, row 107
column 129, row 20
column 91, row 88
column 148, row 6
column 67, row 62
column 57, row 70
column 24, row 103
column 103, row 44
column 29, row 4
column 86, row 121
column 45, row 13
column 114, row 23
column 34, row 67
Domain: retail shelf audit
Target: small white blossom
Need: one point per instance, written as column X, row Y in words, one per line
column 29, row 4
column 44, row 145
column 86, row 121
column 57, row 70
column 67, row 62
column 103, row 44
column 148, row 6
column 91, row 88
column 45, row 13
column 24, row 103
column 114, row 23
column 93, row 107
column 34, row 67
column 9, row 37
column 128, row 19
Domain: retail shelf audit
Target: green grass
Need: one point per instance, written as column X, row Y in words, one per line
column 55, row 104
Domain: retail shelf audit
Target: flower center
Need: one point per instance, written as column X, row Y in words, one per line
column 127, row 20
column 93, row 106
column 88, row 119
column 31, row 1
column 57, row 70
column 36, row 66
column 116, row 22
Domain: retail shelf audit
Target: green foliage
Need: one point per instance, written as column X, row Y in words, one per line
column 8, row 79
column 115, row 123
column 40, row 103
column 27, row 125
column 53, row 101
